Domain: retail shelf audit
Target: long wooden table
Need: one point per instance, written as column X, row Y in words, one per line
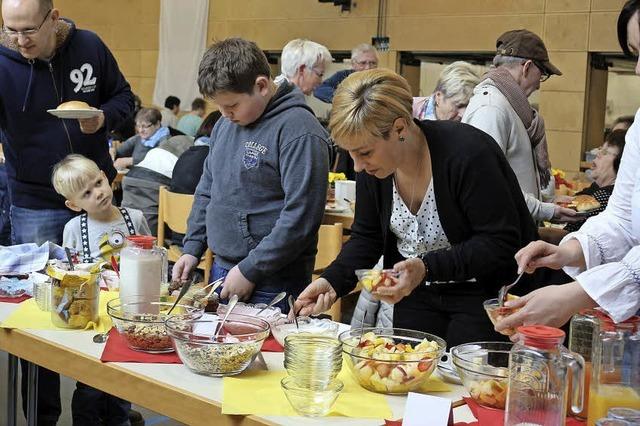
column 168, row 389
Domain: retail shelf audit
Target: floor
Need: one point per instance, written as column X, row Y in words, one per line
column 66, row 391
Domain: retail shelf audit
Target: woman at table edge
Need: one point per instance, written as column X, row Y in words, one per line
column 604, row 255
column 461, row 229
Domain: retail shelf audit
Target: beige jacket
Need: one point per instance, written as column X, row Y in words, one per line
column 490, row 111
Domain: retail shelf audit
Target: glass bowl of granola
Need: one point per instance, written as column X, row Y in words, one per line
column 140, row 320
column 206, row 350
column 484, row 370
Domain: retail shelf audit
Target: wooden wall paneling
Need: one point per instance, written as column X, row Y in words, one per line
column 564, row 148
column 562, row 110
column 607, row 5
column 595, row 108
column 456, row 33
column 566, row 31
column 603, row 36
column 464, row 7
column 567, row 6
column 273, row 35
column 573, row 66
column 287, row 9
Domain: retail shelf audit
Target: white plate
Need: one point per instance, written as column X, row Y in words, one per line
column 75, row 113
column 339, row 208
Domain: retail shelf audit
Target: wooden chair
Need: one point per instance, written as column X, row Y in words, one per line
column 329, row 246
column 173, row 211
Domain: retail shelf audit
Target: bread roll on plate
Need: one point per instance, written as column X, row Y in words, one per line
column 75, row 110
column 74, row 105
column 584, row 203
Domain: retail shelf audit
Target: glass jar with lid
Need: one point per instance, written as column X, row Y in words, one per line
column 538, row 372
column 143, row 267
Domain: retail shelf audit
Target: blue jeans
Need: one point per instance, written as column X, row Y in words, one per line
column 90, row 405
column 258, row 296
column 38, row 226
column 5, row 205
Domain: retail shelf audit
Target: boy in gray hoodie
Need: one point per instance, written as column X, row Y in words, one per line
column 262, row 193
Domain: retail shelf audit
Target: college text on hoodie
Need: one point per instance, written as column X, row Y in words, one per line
column 262, row 194
column 81, row 69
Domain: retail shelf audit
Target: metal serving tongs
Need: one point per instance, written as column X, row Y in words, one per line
column 186, row 286
column 504, row 290
column 233, row 300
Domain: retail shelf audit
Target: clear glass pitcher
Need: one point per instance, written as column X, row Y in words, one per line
column 538, row 372
column 143, row 267
column 615, row 381
column 584, row 325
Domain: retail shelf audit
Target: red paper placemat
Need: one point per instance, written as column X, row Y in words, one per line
column 116, row 350
column 486, row 417
column 491, row 416
column 14, row 299
column 271, row 345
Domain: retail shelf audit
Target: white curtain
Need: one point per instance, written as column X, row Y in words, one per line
column 183, row 37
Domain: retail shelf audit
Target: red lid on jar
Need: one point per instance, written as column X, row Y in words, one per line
column 541, row 336
column 142, row 241
column 608, row 324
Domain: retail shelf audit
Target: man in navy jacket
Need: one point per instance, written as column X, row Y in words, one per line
column 45, row 61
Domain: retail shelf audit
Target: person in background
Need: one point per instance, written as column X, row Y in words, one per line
column 140, row 185
column 36, row 44
column 500, row 107
column 603, row 171
column 303, row 63
column 188, row 168
column 261, row 197
column 622, row 123
column 448, row 227
column 170, row 112
column 127, row 128
column 604, row 255
column 451, row 96
column 190, row 122
column 97, row 234
column 150, row 134
column 363, row 57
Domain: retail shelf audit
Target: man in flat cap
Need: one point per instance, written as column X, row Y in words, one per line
column 499, row 107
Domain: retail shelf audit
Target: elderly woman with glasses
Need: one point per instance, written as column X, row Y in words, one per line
column 149, row 134
column 303, row 63
column 436, row 198
column 450, row 98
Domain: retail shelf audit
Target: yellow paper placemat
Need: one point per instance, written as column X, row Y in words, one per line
column 259, row 393
column 29, row 316
column 435, row 384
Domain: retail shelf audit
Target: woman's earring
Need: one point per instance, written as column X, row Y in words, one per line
column 401, row 139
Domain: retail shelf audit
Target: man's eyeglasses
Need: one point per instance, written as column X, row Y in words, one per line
column 144, row 126
column 25, row 33
column 602, row 151
column 367, row 63
column 544, row 75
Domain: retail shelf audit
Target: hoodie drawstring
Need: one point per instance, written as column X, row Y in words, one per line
column 26, row 96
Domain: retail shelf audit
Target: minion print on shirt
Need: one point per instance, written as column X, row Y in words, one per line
column 110, row 244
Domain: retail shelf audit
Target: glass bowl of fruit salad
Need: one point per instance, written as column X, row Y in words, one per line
column 391, row 360
column 484, row 370
column 371, row 279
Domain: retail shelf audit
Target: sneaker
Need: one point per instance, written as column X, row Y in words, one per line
column 135, row 418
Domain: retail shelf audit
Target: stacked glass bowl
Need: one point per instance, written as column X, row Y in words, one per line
column 312, row 363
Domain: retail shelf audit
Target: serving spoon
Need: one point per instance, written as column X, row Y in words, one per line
column 275, row 300
column 232, row 304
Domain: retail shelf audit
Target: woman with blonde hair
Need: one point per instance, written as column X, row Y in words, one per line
column 437, row 199
column 450, row 98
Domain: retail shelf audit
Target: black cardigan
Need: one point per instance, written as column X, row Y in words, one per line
column 480, row 204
